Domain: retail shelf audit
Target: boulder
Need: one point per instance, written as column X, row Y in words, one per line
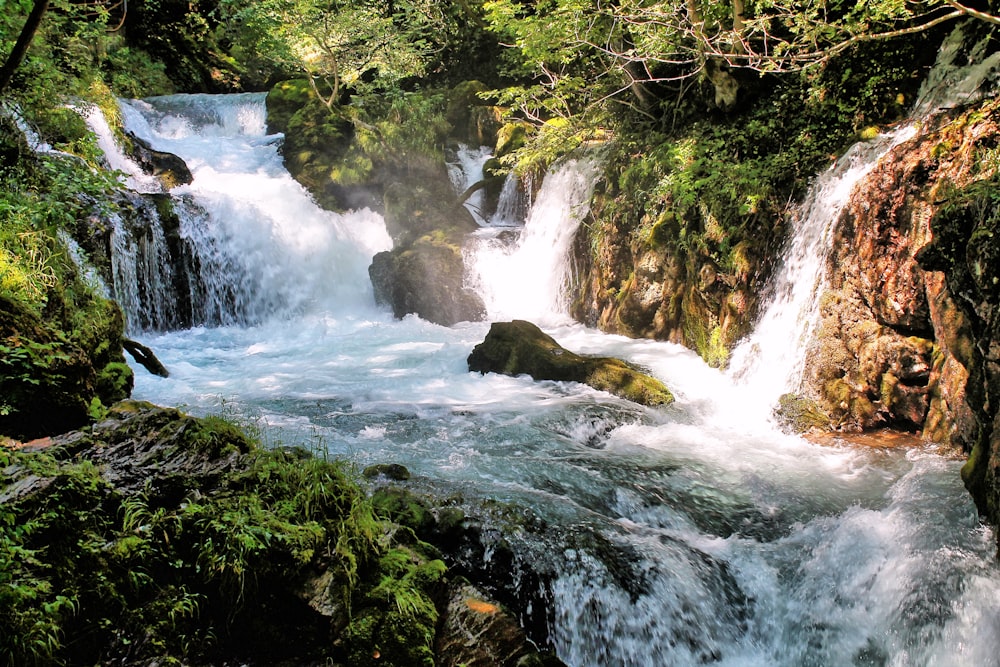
column 170, row 169
column 426, row 279
column 521, row 348
column 477, row 631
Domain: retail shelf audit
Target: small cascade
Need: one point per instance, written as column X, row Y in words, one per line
column 133, row 177
column 90, row 276
column 513, row 204
column 143, row 270
column 529, row 277
column 772, row 358
column 465, row 172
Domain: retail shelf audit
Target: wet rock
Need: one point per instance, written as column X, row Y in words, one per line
column 800, row 414
column 521, row 348
column 892, row 345
column 476, row 631
column 392, row 471
column 426, row 279
column 966, row 249
column 169, row 169
column 142, row 448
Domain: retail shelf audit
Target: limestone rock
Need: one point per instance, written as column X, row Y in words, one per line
column 521, row 348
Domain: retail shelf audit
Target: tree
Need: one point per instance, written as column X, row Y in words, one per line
column 586, row 52
column 16, row 55
column 98, row 11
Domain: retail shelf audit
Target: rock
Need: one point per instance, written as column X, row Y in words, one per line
column 170, row 169
column 393, row 471
column 474, row 120
column 476, row 631
column 521, row 348
column 800, row 414
column 283, row 101
column 160, row 452
column 47, row 381
column 426, row 279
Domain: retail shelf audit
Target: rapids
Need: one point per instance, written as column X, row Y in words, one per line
column 692, row 534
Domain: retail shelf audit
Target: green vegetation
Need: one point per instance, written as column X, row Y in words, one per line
column 187, row 569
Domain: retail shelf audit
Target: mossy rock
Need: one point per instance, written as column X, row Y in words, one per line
column 800, row 414
column 521, row 348
column 404, row 507
column 426, row 279
column 472, row 119
column 510, row 137
column 284, row 100
column 47, row 381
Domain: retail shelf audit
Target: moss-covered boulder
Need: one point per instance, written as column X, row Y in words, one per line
column 54, row 378
column 283, row 101
column 474, row 121
column 521, row 348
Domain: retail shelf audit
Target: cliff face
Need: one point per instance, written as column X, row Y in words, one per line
column 907, row 336
column 893, row 347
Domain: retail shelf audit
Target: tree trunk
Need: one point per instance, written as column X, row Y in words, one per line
column 23, row 42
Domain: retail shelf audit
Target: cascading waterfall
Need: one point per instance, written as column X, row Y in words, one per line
column 771, row 360
column 529, row 277
column 253, row 245
column 465, row 172
column 688, row 535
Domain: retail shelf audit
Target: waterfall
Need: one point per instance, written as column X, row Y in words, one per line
column 529, row 277
column 251, row 243
column 465, row 172
column 674, row 536
column 770, row 361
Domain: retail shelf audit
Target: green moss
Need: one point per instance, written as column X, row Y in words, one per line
column 801, row 414
column 284, row 100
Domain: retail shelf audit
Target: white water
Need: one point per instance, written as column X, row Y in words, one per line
column 772, row 358
column 694, row 534
column 529, row 279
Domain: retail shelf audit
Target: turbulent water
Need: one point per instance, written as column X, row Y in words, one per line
column 693, row 534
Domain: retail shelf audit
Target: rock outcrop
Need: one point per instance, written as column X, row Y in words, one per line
column 155, row 537
column 424, row 273
column 891, row 345
column 966, row 248
column 348, row 162
column 521, row 348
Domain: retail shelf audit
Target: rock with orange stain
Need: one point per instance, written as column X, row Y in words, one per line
column 478, row 632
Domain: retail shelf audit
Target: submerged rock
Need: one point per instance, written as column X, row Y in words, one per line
column 521, row 348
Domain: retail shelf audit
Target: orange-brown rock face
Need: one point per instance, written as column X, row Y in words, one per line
column 892, row 347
